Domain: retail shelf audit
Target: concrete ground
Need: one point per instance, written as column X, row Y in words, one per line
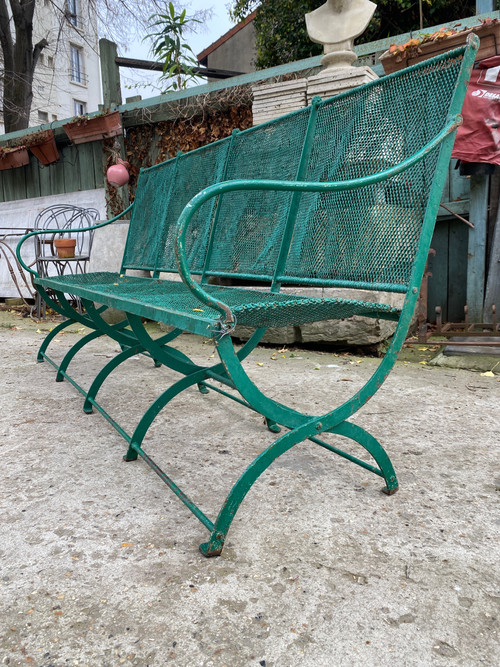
column 100, row 562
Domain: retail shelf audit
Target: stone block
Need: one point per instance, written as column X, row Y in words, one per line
column 330, row 82
column 274, row 335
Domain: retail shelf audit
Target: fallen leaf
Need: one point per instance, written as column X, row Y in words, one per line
column 259, row 363
column 488, row 374
column 198, row 310
column 127, row 544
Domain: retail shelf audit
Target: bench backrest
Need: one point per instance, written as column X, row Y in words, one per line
column 360, row 238
column 162, row 192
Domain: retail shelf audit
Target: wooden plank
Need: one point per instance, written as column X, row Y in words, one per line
column 99, row 163
column 493, row 284
column 457, row 269
column 45, row 179
column 56, row 177
column 110, row 74
column 459, row 185
column 14, row 185
column 72, row 175
column 476, row 264
column 85, row 160
column 33, row 178
column 438, row 266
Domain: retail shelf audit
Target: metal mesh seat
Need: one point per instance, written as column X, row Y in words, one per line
column 168, row 300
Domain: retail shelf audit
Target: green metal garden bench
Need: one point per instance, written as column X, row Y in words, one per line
column 343, row 193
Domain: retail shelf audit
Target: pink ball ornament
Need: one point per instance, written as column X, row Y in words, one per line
column 117, row 174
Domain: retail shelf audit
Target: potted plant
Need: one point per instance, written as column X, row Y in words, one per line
column 12, row 157
column 431, row 44
column 43, row 146
column 92, row 128
column 65, row 247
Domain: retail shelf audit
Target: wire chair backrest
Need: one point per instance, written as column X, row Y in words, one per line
column 66, row 216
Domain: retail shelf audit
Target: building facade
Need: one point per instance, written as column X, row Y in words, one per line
column 67, row 76
column 235, row 50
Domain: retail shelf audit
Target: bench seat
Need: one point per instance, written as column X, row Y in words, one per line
column 171, row 302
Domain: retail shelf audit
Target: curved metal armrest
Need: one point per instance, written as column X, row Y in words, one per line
column 63, row 231
column 283, row 186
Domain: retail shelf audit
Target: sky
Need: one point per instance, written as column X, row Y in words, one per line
column 206, row 34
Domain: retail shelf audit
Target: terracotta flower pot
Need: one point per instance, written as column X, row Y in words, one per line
column 488, row 33
column 65, row 247
column 43, row 146
column 14, row 157
column 94, row 128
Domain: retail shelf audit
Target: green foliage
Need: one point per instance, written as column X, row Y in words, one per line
column 281, row 34
column 395, row 17
column 169, row 46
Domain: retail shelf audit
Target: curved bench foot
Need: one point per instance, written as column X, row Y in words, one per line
column 374, row 448
column 131, row 455
column 213, row 547
column 202, row 388
column 272, row 426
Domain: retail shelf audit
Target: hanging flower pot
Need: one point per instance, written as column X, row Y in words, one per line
column 94, row 128
column 11, row 158
column 117, row 175
column 421, row 48
column 43, row 146
column 65, row 248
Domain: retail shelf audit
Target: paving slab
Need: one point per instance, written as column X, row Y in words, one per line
column 100, row 563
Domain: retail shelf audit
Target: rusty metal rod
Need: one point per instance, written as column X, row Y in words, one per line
column 467, row 222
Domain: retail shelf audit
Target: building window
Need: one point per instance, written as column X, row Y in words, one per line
column 76, row 60
column 79, row 108
column 50, row 61
column 43, row 117
column 72, row 12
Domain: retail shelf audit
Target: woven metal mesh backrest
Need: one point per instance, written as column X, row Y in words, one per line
column 162, row 192
column 370, row 235
column 250, row 224
column 195, row 171
column 148, row 216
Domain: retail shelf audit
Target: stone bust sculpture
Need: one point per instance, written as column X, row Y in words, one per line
column 335, row 25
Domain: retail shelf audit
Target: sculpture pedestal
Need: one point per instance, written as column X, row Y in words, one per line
column 276, row 99
column 333, row 81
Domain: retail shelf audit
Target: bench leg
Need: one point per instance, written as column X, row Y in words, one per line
column 105, row 372
column 63, row 366
column 228, row 511
column 156, row 407
column 125, row 354
column 272, row 425
column 50, row 337
column 374, row 448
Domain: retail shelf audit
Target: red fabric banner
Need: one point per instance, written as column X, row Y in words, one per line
column 478, row 138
